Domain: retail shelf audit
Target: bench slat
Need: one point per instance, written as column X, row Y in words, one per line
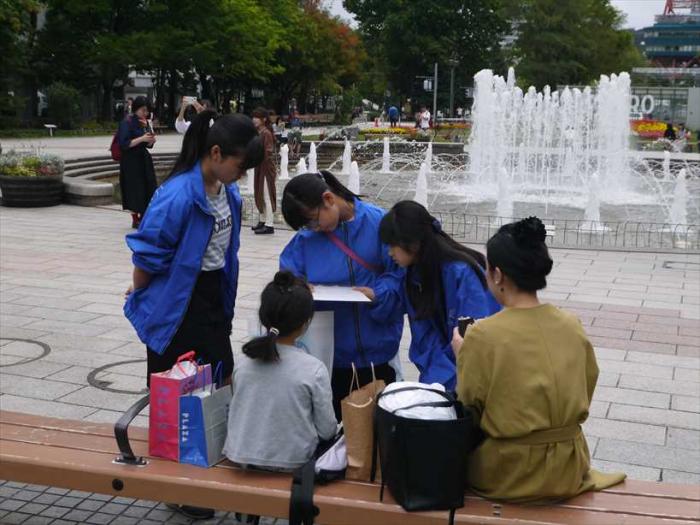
column 263, row 493
column 75, row 438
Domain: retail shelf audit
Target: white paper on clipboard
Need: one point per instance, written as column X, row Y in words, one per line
column 343, row 294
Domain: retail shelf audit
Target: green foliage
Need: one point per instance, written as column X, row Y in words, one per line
column 64, row 106
column 572, row 42
column 410, row 35
column 15, row 164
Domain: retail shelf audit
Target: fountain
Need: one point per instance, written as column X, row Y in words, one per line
column 301, row 166
column 678, row 214
column 284, row 162
column 504, row 207
column 421, row 196
column 429, row 157
column 386, row 157
column 666, row 165
column 347, row 158
column 551, row 143
column 354, row 179
column 313, row 168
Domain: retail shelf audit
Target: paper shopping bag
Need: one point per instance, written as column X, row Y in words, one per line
column 203, row 425
column 166, row 389
column 358, row 412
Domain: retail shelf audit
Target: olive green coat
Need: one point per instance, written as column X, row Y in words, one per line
column 529, row 373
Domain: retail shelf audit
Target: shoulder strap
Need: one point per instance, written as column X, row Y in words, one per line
column 350, row 253
column 301, row 502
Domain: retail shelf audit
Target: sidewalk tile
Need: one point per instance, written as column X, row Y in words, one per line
column 683, row 438
column 655, row 416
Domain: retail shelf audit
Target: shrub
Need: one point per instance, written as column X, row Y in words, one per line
column 64, row 105
column 15, row 164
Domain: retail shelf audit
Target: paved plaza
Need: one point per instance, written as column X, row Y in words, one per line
column 67, row 351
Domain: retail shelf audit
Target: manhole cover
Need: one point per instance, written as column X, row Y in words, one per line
column 123, row 377
column 21, row 351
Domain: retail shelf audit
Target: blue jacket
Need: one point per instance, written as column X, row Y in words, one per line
column 359, row 338
column 170, row 245
column 430, row 348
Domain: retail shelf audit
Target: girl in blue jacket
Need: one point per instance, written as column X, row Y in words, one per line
column 443, row 281
column 185, row 252
column 338, row 243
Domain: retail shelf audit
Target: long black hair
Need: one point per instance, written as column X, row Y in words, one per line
column 410, row 226
column 304, row 193
column 519, row 250
column 286, row 304
column 234, row 134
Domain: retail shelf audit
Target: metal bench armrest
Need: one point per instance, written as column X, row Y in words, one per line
column 121, row 433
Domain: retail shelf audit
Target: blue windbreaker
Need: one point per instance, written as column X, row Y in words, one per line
column 430, row 348
column 170, row 245
column 359, row 338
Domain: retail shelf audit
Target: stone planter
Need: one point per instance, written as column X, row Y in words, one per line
column 28, row 192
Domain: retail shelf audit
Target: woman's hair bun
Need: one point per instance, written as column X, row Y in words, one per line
column 284, row 279
column 529, row 231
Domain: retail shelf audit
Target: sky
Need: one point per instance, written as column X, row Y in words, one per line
column 640, row 13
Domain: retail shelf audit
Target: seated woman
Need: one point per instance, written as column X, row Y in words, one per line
column 281, row 407
column 529, row 373
column 443, row 282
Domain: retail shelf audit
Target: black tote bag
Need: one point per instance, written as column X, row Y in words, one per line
column 424, row 462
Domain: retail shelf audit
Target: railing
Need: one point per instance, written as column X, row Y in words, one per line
column 579, row 233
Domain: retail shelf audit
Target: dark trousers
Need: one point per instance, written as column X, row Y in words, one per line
column 342, row 378
column 204, row 329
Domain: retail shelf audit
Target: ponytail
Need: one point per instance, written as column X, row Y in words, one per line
column 234, row 134
column 286, row 305
column 263, row 347
column 305, row 192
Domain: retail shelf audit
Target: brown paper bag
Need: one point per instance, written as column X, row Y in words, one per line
column 358, row 414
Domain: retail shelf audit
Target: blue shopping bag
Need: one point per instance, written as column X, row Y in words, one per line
column 203, row 424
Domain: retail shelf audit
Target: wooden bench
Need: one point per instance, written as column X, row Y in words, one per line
column 80, row 455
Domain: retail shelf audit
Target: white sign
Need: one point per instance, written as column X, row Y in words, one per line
column 645, row 105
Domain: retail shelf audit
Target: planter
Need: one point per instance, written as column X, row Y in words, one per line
column 28, row 192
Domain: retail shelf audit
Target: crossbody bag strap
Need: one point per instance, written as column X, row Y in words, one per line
column 301, row 501
column 350, row 253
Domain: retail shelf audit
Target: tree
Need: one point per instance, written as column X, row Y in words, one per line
column 90, row 44
column 572, row 42
column 321, row 54
column 17, row 38
column 411, row 35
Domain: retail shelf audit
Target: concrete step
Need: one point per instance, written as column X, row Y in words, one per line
column 110, row 168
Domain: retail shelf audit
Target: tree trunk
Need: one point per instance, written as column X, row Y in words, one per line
column 106, row 100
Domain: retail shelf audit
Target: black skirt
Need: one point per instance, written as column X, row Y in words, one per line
column 204, row 329
column 137, row 179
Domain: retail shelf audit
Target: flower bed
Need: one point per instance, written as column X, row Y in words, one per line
column 29, row 180
column 649, row 129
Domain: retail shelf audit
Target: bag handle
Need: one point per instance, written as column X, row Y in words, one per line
column 218, row 377
column 427, row 404
column 187, row 356
column 407, row 388
column 350, row 253
column 356, row 378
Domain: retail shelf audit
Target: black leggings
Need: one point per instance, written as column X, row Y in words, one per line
column 342, row 378
column 204, row 329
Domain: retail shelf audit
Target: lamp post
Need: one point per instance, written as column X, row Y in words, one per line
column 452, row 62
column 435, row 88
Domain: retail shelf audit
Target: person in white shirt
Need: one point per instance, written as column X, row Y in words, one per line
column 182, row 125
column 424, row 118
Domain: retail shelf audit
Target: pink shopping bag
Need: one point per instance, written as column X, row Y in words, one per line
column 166, row 389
